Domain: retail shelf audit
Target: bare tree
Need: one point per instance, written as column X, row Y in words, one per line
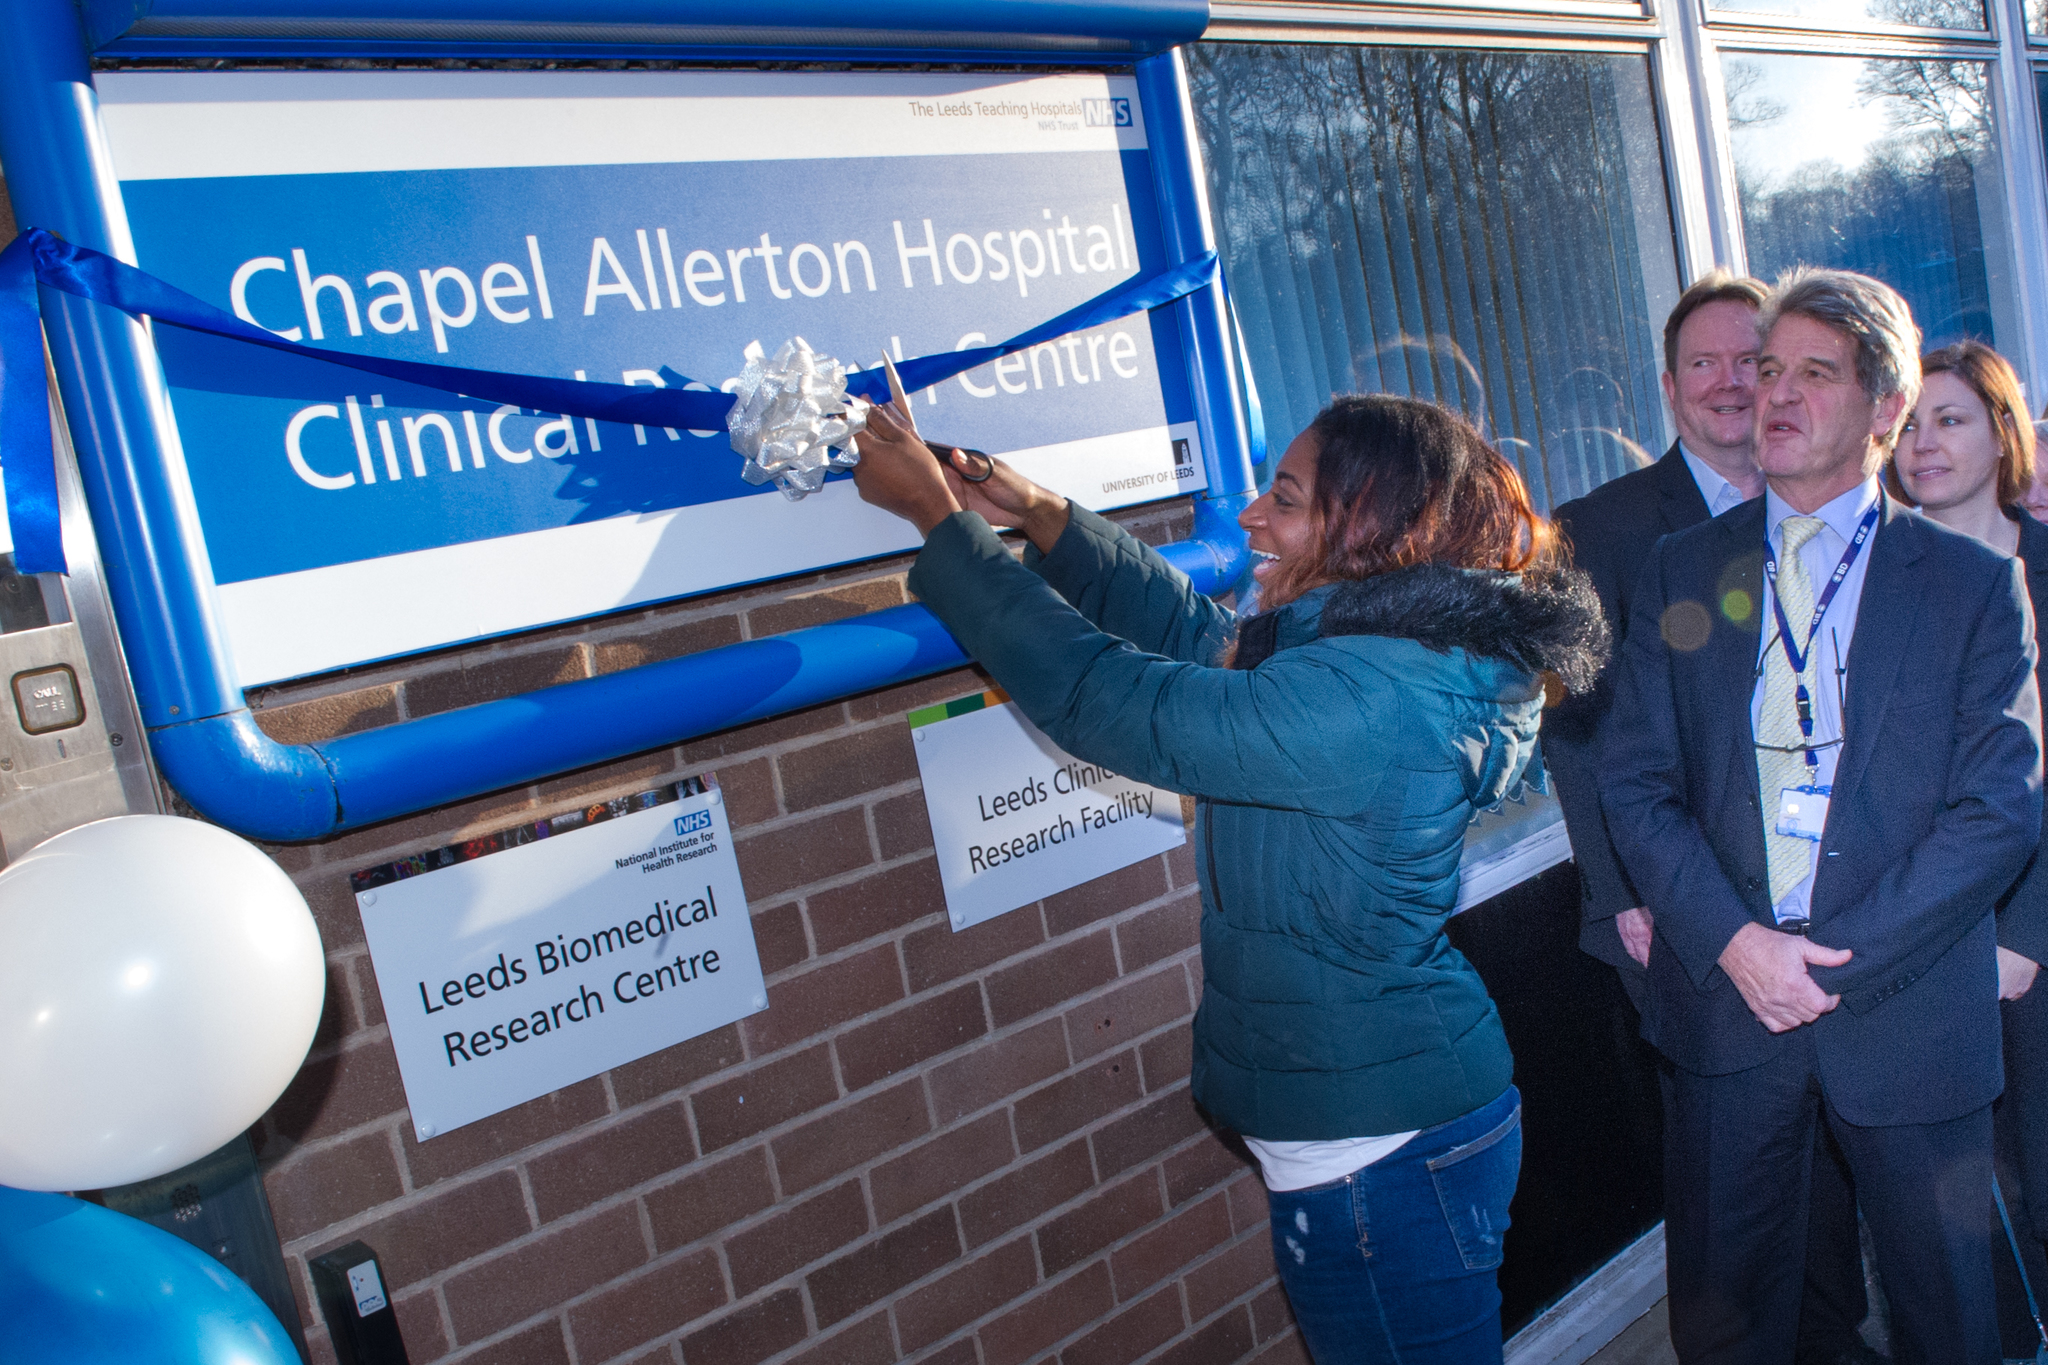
column 1747, row 107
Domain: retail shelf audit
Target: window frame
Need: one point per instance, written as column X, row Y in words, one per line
column 1683, row 41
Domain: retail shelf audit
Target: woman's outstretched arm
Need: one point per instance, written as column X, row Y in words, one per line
column 1110, row 576
column 1304, row 733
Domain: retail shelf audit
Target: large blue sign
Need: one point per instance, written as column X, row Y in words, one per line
column 608, row 227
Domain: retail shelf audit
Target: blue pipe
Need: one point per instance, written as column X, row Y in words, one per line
column 1132, row 26
column 204, row 738
column 149, row 48
column 60, row 175
column 1213, row 363
column 236, row 775
column 1216, row 557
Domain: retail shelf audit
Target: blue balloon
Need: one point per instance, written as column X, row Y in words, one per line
column 83, row 1285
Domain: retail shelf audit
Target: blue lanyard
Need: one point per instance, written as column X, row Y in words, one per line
column 1797, row 655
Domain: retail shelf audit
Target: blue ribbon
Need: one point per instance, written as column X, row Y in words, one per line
column 38, row 257
column 26, row 460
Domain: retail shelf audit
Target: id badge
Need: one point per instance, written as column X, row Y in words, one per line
column 1803, row 812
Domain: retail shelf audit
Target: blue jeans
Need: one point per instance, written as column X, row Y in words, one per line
column 1396, row 1262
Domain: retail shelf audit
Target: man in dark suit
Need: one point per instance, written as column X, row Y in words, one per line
column 1709, row 380
column 1710, row 351
column 1823, row 769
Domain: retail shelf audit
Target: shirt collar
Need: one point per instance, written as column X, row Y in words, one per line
column 1720, row 494
column 1841, row 515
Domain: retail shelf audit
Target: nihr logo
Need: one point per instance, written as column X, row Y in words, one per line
column 694, row 821
column 1109, row 113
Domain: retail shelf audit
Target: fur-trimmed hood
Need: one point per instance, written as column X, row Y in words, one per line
column 1540, row 623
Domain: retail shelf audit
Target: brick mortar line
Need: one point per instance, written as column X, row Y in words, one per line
column 847, row 726
column 347, row 955
column 1242, row 1301
column 765, row 1140
column 559, row 1311
column 866, row 797
column 900, row 933
column 446, row 1314
column 455, row 658
column 683, row 766
column 805, row 890
column 794, row 1279
column 537, row 808
column 395, row 1120
column 471, row 1349
column 924, row 1066
column 458, row 658
column 776, row 794
column 1179, row 957
column 368, row 1036
column 1222, row 1248
column 1102, row 1255
column 338, row 1231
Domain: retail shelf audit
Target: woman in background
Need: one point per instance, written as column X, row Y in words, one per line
column 1966, row 459
column 1337, row 744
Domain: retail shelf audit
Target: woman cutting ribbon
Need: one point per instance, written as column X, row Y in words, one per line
column 1337, row 744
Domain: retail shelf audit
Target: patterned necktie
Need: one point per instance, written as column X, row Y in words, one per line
column 1789, row 859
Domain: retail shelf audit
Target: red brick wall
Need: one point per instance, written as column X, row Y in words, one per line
column 961, row 1148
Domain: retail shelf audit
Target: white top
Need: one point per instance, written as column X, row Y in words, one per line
column 1831, row 643
column 1298, row 1165
column 1720, row 494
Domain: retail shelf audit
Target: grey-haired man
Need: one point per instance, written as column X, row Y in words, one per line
column 1825, row 766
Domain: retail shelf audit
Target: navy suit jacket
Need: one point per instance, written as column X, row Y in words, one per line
column 1936, row 809
column 1611, row 531
column 2023, row 918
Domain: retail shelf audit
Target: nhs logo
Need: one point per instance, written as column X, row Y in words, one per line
column 1107, row 113
column 694, row 821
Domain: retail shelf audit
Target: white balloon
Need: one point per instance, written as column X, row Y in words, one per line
column 160, row 982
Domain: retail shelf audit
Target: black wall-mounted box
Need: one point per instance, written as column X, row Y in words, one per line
column 360, row 1319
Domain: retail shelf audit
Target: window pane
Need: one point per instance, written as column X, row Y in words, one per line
column 2037, row 17
column 1486, row 229
column 1965, row 14
column 1879, row 165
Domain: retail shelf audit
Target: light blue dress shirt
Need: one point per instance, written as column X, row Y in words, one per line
column 1720, row 494
column 1830, row 643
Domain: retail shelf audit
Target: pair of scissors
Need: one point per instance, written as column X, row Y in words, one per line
column 946, row 454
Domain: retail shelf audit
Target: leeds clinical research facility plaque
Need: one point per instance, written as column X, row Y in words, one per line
column 1015, row 818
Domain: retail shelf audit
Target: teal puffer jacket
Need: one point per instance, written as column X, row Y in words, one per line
column 1334, row 783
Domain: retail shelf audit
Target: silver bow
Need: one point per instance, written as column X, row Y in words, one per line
column 794, row 420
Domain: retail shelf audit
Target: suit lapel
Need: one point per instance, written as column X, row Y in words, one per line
column 1884, row 632
column 1736, row 598
column 1679, row 493
column 2034, row 554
